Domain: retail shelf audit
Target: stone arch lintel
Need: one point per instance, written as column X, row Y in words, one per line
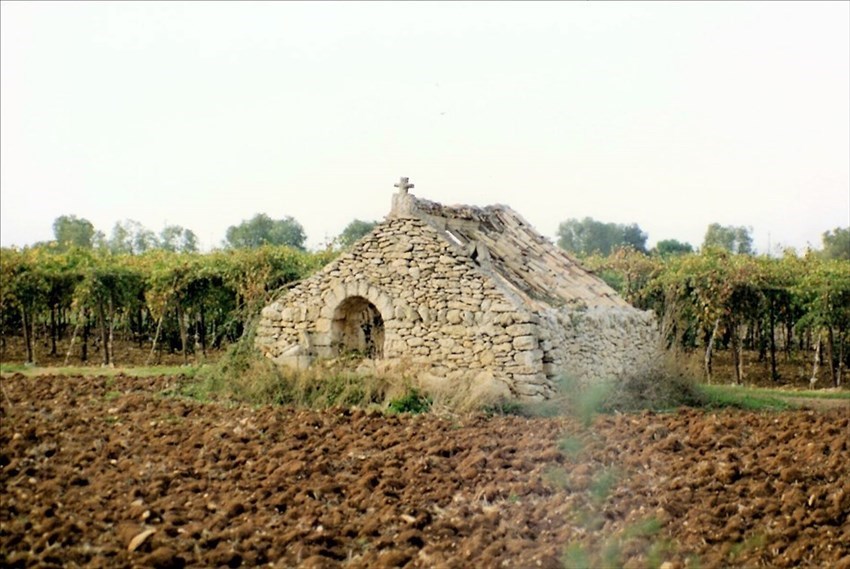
column 373, row 294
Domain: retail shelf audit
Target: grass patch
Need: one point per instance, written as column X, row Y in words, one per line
column 571, row 446
column 112, row 395
column 738, row 397
column 556, row 477
column 575, row 557
column 805, row 394
column 752, row 543
column 662, row 387
column 644, row 528
column 603, row 484
column 637, row 540
column 243, row 375
column 411, row 402
column 259, row 381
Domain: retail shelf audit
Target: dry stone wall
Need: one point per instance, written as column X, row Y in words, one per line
column 598, row 343
column 465, row 297
column 436, row 308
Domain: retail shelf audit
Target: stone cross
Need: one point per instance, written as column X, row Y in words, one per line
column 403, row 186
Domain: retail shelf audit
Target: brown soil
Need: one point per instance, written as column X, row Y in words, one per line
column 110, row 473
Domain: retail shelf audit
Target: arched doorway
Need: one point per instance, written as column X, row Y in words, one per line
column 358, row 328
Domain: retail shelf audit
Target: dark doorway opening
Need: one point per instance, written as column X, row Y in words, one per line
column 358, row 328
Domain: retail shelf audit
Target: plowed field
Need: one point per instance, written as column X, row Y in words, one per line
column 110, row 473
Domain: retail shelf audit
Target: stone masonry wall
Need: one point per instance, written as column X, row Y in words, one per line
column 601, row 343
column 439, row 311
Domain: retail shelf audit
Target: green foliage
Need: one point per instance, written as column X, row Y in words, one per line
column 571, row 446
column 629, row 272
column 262, row 230
column 731, row 238
column 244, row 375
column 175, row 297
column 411, row 402
column 353, row 232
column 576, row 557
column 71, row 231
column 175, row 238
column 668, row 247
column 588, row 236
column 602, row 485
column 131, row 237
column 735, row 397
column 836, row 244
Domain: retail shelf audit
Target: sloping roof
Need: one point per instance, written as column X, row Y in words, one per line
column 505, row 244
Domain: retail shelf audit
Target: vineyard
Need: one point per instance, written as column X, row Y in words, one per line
column 77, row 305
column 85, row 300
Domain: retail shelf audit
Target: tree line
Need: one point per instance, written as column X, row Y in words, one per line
column 588, row 236
column 188, row 302
column 153, row 289
column 777, row 307
column 726, row 297
column 130, row 236
column 170, row 297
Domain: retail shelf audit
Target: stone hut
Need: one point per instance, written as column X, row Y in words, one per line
column 461, row 294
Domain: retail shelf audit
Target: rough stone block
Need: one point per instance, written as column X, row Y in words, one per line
column 270, row 313
column 455, row 331
column 521, row 330
column 323, row 325
column 529, row 358
column 525, row 343
column 504, row 318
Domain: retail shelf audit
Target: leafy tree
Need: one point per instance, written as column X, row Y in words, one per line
column 131, row 237
column 634, row 237
column 668, row 247
column 824, row 291
column 178, row 239
column 729, row 237
column 263, row 230
column 588, row 236
column 100, row 241
column 836, row 244
column 354, row 231
column 72, row 231
column 628, row 271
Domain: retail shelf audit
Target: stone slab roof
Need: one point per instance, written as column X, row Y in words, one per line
column 506, row 245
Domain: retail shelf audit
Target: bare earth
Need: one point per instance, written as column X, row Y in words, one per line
column 110, row 473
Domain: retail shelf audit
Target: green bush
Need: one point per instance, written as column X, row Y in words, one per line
column 411, row 402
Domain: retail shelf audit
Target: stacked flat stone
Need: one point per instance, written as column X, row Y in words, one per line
column 465, row 295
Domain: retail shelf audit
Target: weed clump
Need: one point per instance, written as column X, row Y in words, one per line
column 659, row 388
column 412, row 402
column 243, row 375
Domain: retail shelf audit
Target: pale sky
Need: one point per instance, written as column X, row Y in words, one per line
column 671, row 115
